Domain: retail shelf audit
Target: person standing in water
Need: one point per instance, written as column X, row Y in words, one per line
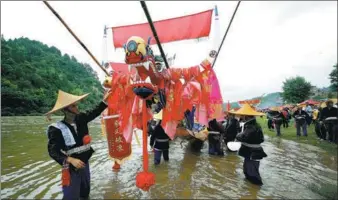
column 159, row 140
column 232, row 128
column 251, row 149
column 69, row 143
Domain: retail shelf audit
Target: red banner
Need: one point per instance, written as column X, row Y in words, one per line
column 254, row 101
column 119, row 149
column 181, row 28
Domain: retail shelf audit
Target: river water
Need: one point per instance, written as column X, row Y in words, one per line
column 291, row 170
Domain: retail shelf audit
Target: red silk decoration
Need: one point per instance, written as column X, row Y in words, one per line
column 145, row 179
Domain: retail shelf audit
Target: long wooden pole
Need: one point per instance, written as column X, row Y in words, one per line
column 71, row 32
column 226, row 33
column 150, row 21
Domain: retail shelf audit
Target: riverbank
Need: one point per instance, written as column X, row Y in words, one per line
column 290, row 134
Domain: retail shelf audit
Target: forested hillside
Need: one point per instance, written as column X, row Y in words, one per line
column 32, row 73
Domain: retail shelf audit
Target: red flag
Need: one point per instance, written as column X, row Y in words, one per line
column 180, row 28
column 228, row 106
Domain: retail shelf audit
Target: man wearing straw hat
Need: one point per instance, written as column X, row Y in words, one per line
column 251, row 137
column 69, row 143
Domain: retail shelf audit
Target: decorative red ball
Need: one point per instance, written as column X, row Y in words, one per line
column 144, row 180
column 86, row 139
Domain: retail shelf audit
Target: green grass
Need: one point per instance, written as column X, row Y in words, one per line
column 290, row 134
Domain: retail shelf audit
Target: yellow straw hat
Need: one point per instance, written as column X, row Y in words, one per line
column 247, row 110
column 158, row 115
column 275, row 109
column 65, row 99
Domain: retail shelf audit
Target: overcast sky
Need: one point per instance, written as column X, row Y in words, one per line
column 267, row 43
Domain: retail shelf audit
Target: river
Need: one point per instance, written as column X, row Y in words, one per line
column 291, row 170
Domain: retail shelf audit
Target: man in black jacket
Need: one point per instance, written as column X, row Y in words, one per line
column 329, row 111
column 232, row 128
column 159, row 140
column 251, row 150
column 216, row 131
column 66, row 144
column 300, row 119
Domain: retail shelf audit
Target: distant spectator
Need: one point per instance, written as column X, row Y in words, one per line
column 300, row 119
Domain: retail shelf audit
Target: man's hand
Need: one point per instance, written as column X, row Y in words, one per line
column 76, row 162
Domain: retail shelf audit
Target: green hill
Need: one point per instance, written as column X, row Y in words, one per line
column 32, row 73
column 271, row 99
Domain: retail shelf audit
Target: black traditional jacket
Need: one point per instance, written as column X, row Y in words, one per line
column 251, row 137
column 326, row 112
column 159, row 139
column 56, row 142
column 232, row 129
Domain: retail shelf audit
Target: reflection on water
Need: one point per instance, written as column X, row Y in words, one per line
column 291, row 170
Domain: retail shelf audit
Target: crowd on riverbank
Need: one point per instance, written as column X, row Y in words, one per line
column 302, row 117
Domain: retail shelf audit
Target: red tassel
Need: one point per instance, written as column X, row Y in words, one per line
column 145, row 179
column 65, row 176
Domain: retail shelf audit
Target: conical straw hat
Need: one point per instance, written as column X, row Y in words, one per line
column 274, row 109
column 247, row 110
column 65, row 99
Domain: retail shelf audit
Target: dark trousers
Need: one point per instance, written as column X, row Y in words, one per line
column 158, row 155
column 270, row 124
column 318, row 130
column 331, row 132
column 285, row 123
column 303, row 126
column 278, row 126
column 79, row 184
column 251, row 171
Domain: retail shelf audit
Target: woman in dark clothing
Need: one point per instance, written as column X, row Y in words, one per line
column 251, row 150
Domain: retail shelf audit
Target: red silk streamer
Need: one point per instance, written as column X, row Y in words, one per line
column 145, row 179
column 145, row 137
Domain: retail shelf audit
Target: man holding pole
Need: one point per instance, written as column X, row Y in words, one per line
column 69, row 143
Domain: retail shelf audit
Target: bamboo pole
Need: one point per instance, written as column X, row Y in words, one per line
column 71, row 32
column 150, row 21
column 226, row 33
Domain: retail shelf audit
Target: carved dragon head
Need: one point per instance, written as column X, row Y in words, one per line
column 139, row 55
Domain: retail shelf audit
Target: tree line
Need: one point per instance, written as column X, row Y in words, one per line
column 32, row 73
column 297, row 89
